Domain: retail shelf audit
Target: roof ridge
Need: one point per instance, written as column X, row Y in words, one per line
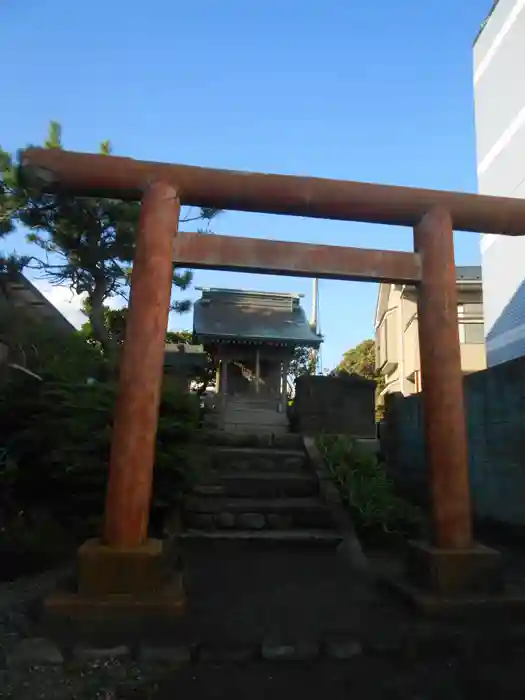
column 250, row 292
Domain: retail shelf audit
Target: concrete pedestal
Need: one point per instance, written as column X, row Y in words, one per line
column 439, row 582
column 452, row 572
column 119, row 597
column 104, row 570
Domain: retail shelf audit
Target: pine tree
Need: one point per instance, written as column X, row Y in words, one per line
column 86, row 244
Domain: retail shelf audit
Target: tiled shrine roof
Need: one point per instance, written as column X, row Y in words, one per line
column 226, row 315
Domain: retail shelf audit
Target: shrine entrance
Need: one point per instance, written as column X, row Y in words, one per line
column 163, row 188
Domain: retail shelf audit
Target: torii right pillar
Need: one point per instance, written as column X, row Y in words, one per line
column 452, row 564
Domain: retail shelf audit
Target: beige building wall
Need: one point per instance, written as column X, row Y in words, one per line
column 397, row 337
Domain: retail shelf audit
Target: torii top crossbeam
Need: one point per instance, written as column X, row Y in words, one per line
column 83, row 174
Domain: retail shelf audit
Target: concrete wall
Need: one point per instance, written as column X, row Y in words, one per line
column 499, row 91
column 495, row 404
column 336, row 405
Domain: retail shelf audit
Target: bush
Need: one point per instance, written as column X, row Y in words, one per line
column 32, row 542
column 58, row 439
column 367, row 490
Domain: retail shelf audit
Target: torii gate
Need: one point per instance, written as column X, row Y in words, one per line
column 163, row 188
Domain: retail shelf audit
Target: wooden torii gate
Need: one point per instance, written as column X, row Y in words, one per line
column 163, row 188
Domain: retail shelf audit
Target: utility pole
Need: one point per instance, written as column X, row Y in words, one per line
column 314, row 321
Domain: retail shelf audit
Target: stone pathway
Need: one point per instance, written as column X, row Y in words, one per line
column 247, row 592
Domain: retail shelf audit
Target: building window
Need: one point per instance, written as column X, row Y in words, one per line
column 471, row 333
column 471, row 329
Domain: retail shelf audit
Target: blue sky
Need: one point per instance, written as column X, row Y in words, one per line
column 375, row 91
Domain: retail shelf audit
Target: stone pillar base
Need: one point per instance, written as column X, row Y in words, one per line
column 444, row 582
column 104, row 570
column 452, row 572
column 119, row 597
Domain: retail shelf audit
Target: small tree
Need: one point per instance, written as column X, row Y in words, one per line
column 302, row 362
column 87, row 243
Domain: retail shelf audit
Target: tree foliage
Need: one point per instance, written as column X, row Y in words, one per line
column 114, row 322
column 9, row 262
column 360, row 360
column 302, row 362
column 58, row 438
column 86, row 244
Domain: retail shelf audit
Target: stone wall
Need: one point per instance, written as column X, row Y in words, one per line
column 336, row 405
column 495, row 408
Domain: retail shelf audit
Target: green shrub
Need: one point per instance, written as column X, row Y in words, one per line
column 58, row 436
column 367, row 490
column 32, row 542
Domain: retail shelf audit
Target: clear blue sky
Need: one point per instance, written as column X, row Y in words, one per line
column 376, row 91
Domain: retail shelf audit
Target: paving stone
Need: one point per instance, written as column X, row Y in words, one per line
column 251, row 521
column 165, row 655
column 343, row 650
column 35, row 651
column 94, row 654
column 300, row 651
column 225, row 520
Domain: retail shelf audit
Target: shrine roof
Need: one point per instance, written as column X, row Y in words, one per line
column 228, row 315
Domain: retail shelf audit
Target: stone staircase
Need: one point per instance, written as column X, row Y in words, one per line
column 252, row 415
column 259, row 493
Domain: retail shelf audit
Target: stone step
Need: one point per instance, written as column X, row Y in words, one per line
column 260, row 459
column 255, row 513
column 223, row 438
column 258, row 484
column 308, row 537
column 263, row 402
column 252, row 429
column 270, row 414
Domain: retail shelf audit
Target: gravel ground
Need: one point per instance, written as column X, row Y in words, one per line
column 366, row 678
column 241, row 595
column 95, row 681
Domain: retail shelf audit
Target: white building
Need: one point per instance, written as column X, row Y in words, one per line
column 499, row 89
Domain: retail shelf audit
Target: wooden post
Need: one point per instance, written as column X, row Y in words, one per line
column 136, row 414
column 442, row 379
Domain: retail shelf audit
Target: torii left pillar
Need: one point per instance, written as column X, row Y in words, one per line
column 126, row 573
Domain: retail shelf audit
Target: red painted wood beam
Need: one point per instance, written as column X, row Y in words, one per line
column 443, row 399
column 83, row 174
column 208, row 251
column 141, row 369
